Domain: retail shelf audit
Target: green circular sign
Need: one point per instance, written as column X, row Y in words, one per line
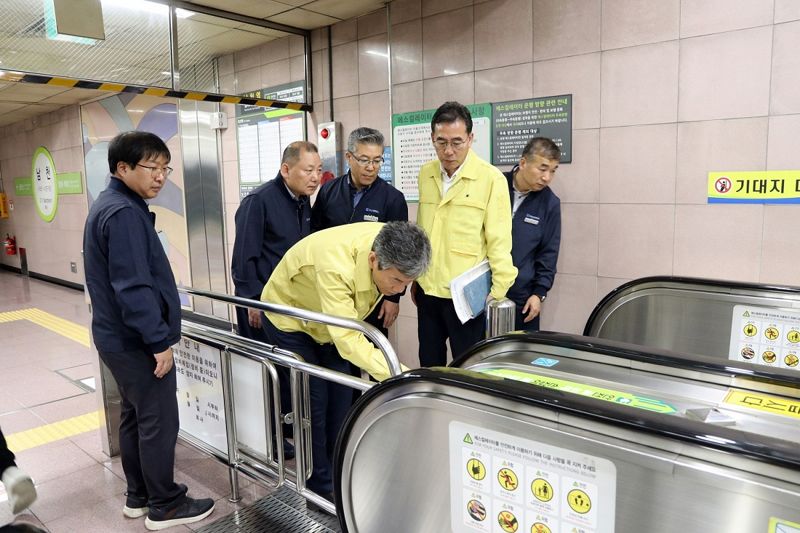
column 45, row 186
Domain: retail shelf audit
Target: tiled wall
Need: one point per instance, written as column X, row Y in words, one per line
column 664, row 92
column 50, row 246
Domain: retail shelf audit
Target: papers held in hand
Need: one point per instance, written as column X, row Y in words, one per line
column 470, row 290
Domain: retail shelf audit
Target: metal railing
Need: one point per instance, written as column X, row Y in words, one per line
column 274, row 470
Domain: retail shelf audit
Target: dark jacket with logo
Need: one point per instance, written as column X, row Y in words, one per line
column 268, row 222
column 536, row 237
column 380, row 203
column 135, row 304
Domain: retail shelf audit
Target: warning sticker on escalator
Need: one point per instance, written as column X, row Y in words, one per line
column 776, row 405
column 776, row 525
column 765, row 336
column 501, row 483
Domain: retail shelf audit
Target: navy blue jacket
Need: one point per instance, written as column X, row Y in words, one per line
column 380, row 203
column 268, row 222
column 536, row 237
column 135, row 304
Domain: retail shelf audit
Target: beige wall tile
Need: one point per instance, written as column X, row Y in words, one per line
column 274, row 50
column 635, row 240
column 460, row 88
column 412, row 215
column 346, row 111
column 503, row 33
column 606, row 285
column 635, row 22
column 276, row 73
column 713, row 146
column 782, row 152
column 784, row 96
column 319, row 75
column 227, row 84
column 780, row 254
column 565, row 28
column 407, row 307
column 230, row 181
column 297, row 45
column 321, row 113
column 405, row 10
column 373, row 64
column 407, row 51
column 631, row 97
column 786, row 10
column 504, row 83
column 344, row 32
column 578, row 254
column 569, row 303
column 372, row 24
column 249, row 80
column 407, row 97
column 701, row 17
column 712, row 84
column 432, row 7
column 225, row 64
column 642, row 175
column 297, row 68
column 445, row 51
column 229, row 146
column 577, row 75
column 345, row 70
column 374, row 112
column 248, row 58
column 407, row 341
column 319, row 39
column 579, row 181
column 718, row 241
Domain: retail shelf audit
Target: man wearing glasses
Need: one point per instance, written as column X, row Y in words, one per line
column 463, row 207
column 136, row 318
column 361, row 196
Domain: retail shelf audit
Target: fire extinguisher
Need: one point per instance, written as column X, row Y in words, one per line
column 10, row 244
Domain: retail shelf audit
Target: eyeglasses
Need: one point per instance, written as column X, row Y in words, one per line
column 154, row 171
column 365, row 162
column 442, row 144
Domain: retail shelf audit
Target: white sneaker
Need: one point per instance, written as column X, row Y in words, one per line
column 20, row 489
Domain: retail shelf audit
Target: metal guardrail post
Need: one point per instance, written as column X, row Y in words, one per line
column 230, row 425
column 499, row 317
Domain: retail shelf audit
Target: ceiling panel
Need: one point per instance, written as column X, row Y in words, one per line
column 300, row 18
column 344, row 9
column 259, row 9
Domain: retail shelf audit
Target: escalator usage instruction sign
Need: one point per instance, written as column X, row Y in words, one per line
column 502, row 483
column 765, row 336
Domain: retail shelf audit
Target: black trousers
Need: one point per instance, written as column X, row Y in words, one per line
column 436, row 322
column 329, row 401
column 148, row 429
column 6, row 455
column 519, row 325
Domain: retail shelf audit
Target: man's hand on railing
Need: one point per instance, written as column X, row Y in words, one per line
column 254, row 318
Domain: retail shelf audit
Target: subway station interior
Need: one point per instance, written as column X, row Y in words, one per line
column 661, row 389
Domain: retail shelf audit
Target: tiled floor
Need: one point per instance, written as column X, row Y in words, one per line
column 80, row 488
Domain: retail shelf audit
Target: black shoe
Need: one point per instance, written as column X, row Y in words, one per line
column 288, row 450
column 311, row 506
column 136, row 507
column 189, row 511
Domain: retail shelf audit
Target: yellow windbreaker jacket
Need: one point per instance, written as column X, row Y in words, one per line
column 329, row 272
column 472, row 222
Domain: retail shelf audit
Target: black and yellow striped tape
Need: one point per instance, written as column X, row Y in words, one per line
column 152, row 91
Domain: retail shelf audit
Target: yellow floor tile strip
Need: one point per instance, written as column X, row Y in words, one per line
column 31, row 438
column 70, row 330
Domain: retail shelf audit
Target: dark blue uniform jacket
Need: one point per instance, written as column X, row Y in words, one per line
column 268, row 222
column 135, row 303
column 380, row 203
column 536, row 237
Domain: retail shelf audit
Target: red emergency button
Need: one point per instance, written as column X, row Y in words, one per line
column 324, row 133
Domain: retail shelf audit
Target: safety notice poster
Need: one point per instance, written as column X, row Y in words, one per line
column 412, row 146
column 765, row 336
column 501, row 483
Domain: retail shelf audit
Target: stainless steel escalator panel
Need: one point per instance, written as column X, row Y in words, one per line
column 400, row 464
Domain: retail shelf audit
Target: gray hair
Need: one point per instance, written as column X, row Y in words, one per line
column 363, row 136
column 541, row 146
column 404, row 246
column 292, row 153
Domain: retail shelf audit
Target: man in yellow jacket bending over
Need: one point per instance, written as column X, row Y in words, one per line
column 342, row 271
column 464, row 209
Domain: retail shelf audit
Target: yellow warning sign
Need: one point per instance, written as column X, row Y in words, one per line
column 508, row 522
column 776, row 525
column 507, row 478
column 579, row 501
column 764, row 403
column 771, row 333
column 793, row 336
column 476, row 470
column 542, row 490
column 476, row 510
column 467, row 439
column 791, row 360
column 538, row 527
column 769, row 356
column 750, row 330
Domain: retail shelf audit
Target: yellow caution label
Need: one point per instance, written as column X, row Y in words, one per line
column 542, row 489
column 776, row 525
column 507, row 521
column 764, row 403
column 507, row 479
column 579, row 501
column 476, row 469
